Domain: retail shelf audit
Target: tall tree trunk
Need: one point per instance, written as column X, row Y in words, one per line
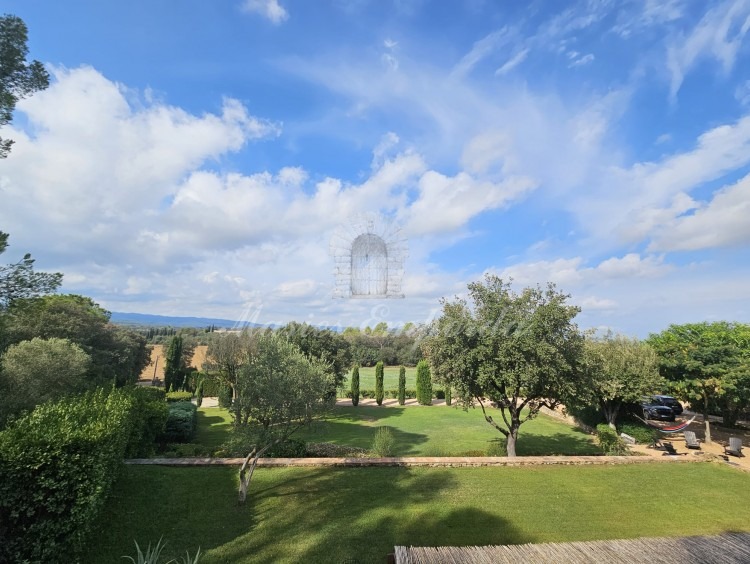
column 512, row 439
column 610, row 413
column 707, row 439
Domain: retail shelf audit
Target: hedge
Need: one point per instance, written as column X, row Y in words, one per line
column 182, row 423
column 211, row 385
column 388, row 394
column 179, row 396
column 57, row 466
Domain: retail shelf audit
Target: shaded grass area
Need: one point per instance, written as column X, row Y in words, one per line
column 359, row 514
column 419, row 431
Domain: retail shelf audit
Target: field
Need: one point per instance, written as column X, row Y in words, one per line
column 419, row 431
column 390, row 378
column 359, row 514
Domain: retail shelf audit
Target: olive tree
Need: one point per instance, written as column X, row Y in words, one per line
column 279, row 391
column 520, row 351
column 618, row 370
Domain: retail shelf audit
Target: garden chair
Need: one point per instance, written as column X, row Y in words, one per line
column 691, row 441
column 669, row 449
column 735, row 447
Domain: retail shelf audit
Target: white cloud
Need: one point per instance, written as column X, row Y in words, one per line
column 718, row 36
column 513, row 62
column 723, row 222
column 269, row 9
column 581, row 61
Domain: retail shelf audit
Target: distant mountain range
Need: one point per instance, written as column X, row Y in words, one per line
column 145, row 319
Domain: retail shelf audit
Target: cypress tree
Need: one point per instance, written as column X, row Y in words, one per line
column 424, row 383
column 379, row 392
column 402, row 386
column 448, row 398
column 173, row 364
column 355, row 385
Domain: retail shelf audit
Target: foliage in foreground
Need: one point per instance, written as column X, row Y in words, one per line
column 152, row 555
column 57, row 465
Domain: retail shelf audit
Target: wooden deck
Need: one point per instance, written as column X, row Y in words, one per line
column 729, row 548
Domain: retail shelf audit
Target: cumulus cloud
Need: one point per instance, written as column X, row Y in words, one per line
column 269, row 9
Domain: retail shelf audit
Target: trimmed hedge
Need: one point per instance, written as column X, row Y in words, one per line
column 179, row 396
column 424, row 383
column 402, row 385
column 182, row 423
column 409, row 393
column 211, row 385
column 379, row 392
column 57, row 466
column 355, row 386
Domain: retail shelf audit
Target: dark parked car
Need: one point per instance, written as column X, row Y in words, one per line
column 652, row 409
column 670, row 402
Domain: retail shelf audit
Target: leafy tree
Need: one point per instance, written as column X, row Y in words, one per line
column 324, row 344
column 424, row 383
column 40, row 370
column 618, row 370
column 708, row 365
column 355, row 385
column 521, row 351
column 279, row 391
column 18, row 78
column 402, row 385
column 227, row 353
column 117, row 354
column 379, row 392
column 173, row 367
column 18, row 280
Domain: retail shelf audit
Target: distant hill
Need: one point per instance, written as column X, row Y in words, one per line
column 145, row 319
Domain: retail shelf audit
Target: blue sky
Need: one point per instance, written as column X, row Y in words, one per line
column 196, row 158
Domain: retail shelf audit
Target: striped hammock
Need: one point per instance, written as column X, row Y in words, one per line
column 670, row 429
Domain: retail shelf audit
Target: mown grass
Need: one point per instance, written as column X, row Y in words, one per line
column 359, row 514
column 419, row 431
column 390, row 378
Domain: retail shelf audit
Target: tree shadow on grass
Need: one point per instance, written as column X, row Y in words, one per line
column 530, row 444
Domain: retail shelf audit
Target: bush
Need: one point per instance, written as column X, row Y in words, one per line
column 57, row 466
column 290, row 448
column 409, row 393
column 332, row 450
column 609, row 441
column 401, row 385
column 382, row 444
column 355, row 386
column 225, row 397
column 498, row 447
column 448, row 395
column 179, row 396
column 182, row 422
column 641, row 433
column 379, row 383
column 211, row 385
column 199, row 395
column 424, row 383
column 155, row 393
column 439, row 394
column 149, row 423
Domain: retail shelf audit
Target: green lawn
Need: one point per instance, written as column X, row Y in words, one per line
column 390, row 378
column 359, row 514
column 419, row 431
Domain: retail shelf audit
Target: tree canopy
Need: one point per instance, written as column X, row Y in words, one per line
column 618, row 370
column 708, row 364
column 18, row 79
column 519, row 350
column 19, row 280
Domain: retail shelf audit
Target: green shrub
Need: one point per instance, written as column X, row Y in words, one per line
column 199, row 394
column 57, row 466
column 409, row 393
column 498, row 447
column 290, row 448
column 379, row 383
column 382, row 444
column 151, row 412
column 225, row 397
column 439, row 394
column 179, row 396
column 211, row 385
column 424, row 383
column 181, row 424
column 610, row 443
column 355, row 386
column 641, row 433
column 332, row 450
column 448, row 395
column 185, row 450
column 155, row 392
column 401, row 385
